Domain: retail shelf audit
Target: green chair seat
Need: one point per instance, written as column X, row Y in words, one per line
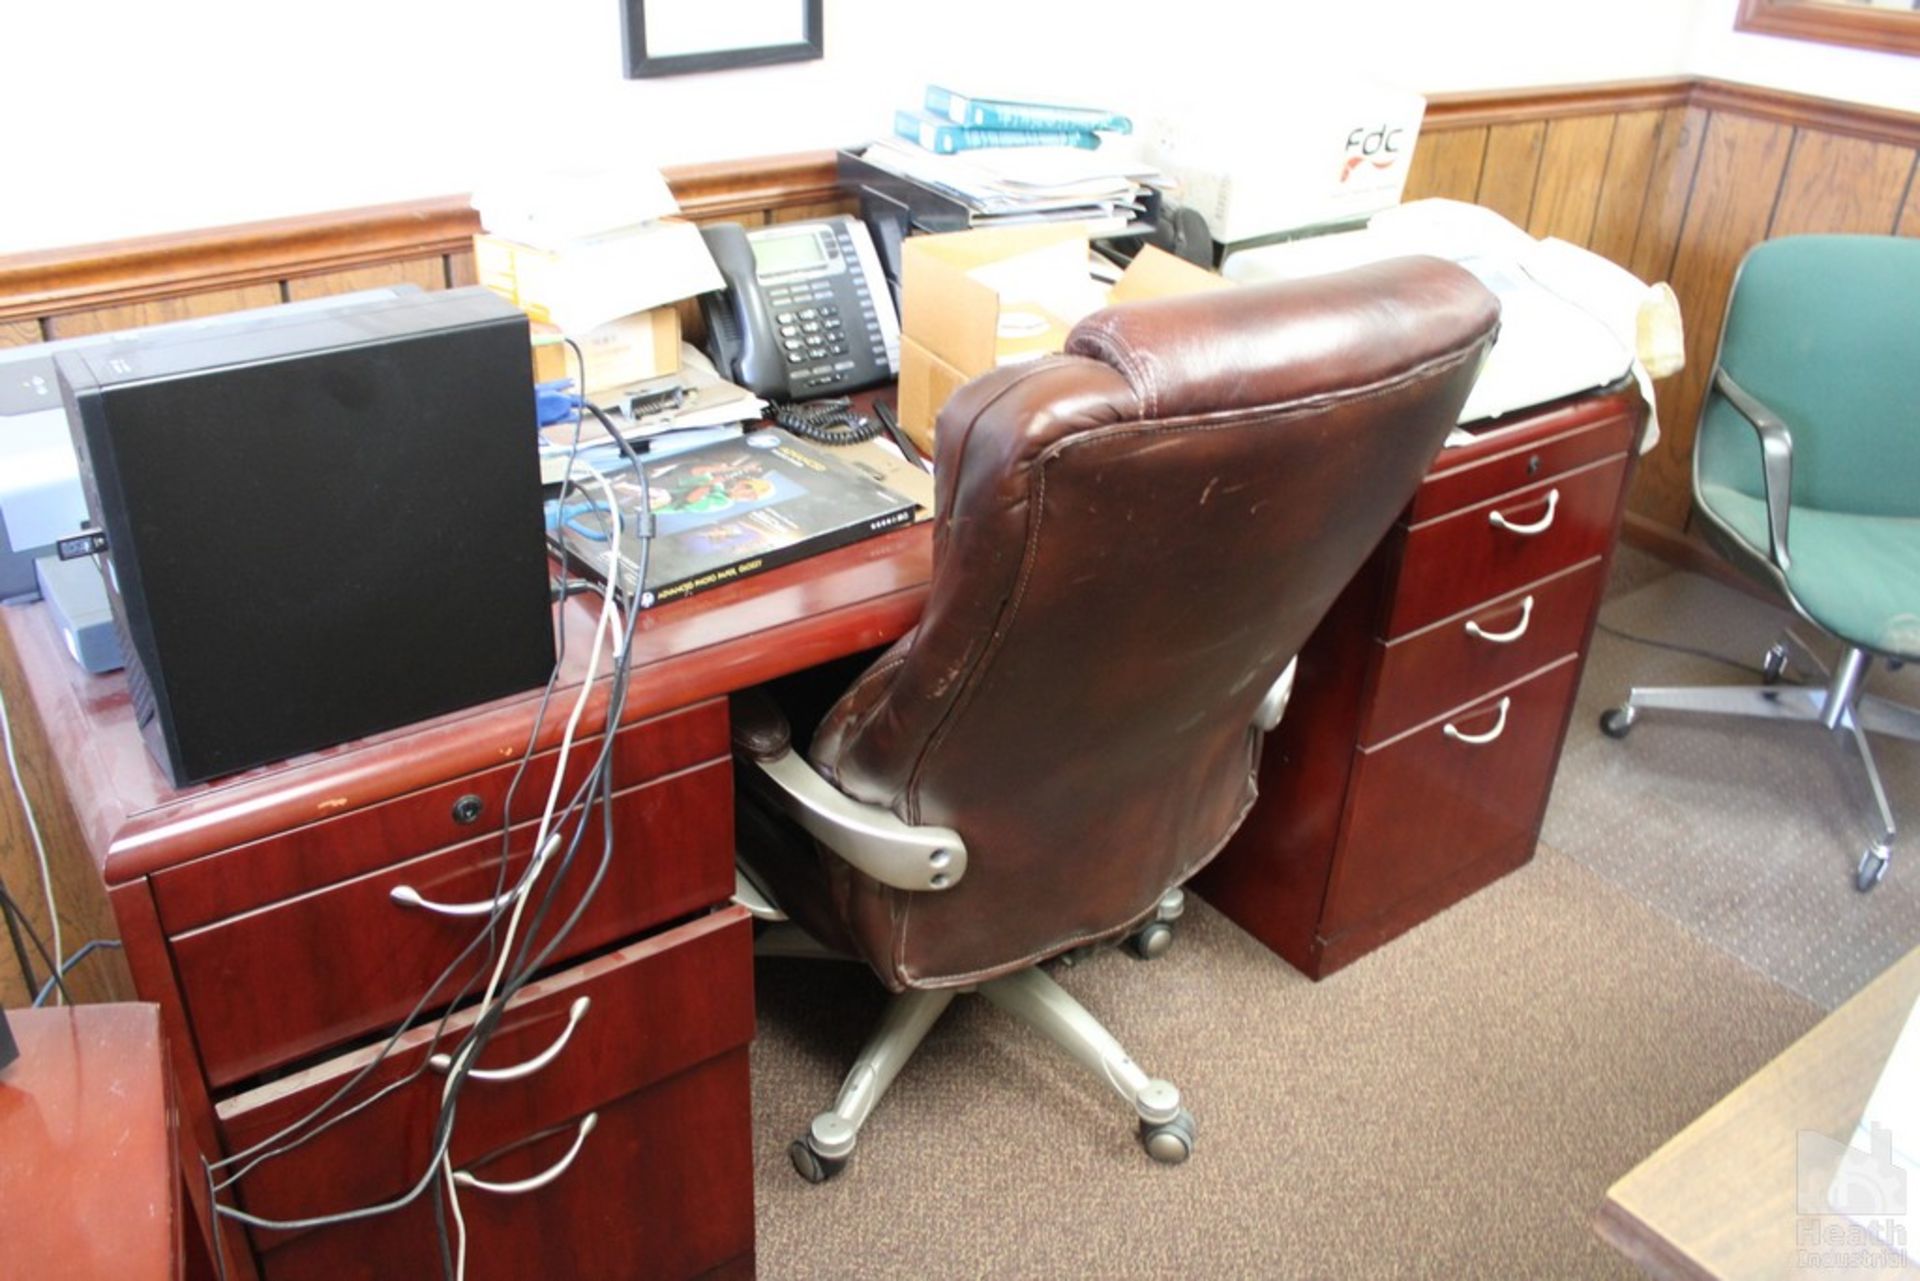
column 1857, row 576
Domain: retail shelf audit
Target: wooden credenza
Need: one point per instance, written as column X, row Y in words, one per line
column 1417, row 754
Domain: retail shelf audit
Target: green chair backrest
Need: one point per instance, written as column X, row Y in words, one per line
column 1825, row 331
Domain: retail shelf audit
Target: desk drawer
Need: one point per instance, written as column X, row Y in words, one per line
column 654, row 1009
column 1457, row 561
column 1428, row 804
column 660, row 1189
column 352, row 960
column 342, row 846
column 1539, row 450
column 1454, row 661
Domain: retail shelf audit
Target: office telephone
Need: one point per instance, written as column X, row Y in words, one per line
column 805, row 313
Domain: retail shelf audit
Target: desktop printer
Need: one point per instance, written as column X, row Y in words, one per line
column 318, row 527
column 1299, row 157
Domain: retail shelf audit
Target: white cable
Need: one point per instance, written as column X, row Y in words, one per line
column 542, row 847
column 39, row 850
column 459, row 1220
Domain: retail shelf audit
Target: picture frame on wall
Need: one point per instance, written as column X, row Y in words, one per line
column 679, row 37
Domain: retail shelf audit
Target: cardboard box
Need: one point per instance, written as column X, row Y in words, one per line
column 592, row 282
column 1315, row 155
column 618, row 354
column 962, row 315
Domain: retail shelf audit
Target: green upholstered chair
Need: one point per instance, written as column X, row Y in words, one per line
column 1806, row 473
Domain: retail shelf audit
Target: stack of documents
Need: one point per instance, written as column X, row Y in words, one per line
column 1106, row 187
column 1569, row 319
column 593, row 255
column 659, row 415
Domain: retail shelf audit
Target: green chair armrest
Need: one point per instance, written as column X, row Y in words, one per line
column 1776, row 462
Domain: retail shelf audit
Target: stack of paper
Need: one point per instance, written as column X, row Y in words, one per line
column 1105, row 187
column 593, row 255
column 552, row 209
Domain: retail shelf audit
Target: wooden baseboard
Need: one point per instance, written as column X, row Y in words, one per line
column 1687, row 551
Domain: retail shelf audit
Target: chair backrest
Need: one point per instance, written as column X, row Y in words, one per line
column 1133, row 540
column 1825, row 331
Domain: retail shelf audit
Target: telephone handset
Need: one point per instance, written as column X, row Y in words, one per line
column 805, row 313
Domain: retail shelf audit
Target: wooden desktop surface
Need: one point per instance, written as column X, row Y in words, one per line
column 134, row 821
column 1721, row 1199
column 87, row 1173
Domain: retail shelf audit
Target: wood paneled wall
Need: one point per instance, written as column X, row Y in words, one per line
column 1674, row 180
column 92, row 289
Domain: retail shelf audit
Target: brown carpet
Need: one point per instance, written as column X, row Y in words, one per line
column 1453, row 1105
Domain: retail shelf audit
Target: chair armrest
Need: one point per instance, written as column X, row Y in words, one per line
column 1274, row 705
column 871, row 838
column 1776, row 461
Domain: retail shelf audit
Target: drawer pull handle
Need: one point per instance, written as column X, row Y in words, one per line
column 540, row 1180
column 443, row 1063
column 1499, row 520
column 1508, row 637
column 407, row 896
column 1499, row 728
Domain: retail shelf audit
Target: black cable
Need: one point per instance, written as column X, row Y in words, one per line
column 901, row 441
column 16, row 914
column 487, row 933
column 523, row 970
column 40, row 998
column 21, row 956
column 826, row 422
column 596, row 786
column 599, row 781
column 1678, row 648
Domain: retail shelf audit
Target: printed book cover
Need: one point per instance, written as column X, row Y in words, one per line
column 722, row 512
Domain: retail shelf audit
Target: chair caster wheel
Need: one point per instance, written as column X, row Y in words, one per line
column 1872, row 869
column 1151, row 940
column 1169, row 1142
column 1773, row 665
column 1616, row 721
column 812, row 1166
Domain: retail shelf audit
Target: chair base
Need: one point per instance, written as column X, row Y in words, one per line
column 1166, row 1128
column 1842, row 706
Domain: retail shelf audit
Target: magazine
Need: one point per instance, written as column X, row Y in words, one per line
column 721, row 512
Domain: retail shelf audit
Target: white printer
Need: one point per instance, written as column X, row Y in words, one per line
column 1305, row 155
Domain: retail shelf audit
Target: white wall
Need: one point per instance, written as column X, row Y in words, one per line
column 1803, row 66
column 131, row 117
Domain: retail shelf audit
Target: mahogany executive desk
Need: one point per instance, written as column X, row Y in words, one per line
column 256, row 909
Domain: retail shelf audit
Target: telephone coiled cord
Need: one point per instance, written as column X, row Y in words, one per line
column 826, row 422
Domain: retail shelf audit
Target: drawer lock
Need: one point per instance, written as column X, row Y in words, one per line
column 468, row 809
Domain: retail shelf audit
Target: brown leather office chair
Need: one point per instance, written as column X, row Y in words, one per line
column 1133, row 541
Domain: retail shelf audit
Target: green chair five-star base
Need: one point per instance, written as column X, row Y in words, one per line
column 1806, row 473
